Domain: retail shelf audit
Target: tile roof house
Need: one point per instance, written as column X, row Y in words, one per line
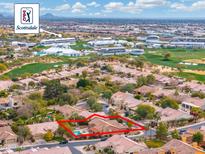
column 121, row 145
column 169, row 114
column 7, row 136
column 66, row 110
column 54, row 150
column 105, row 125
column 4, row 123
column 173, row 147
column 193, row 85
column 189, row 102
column 38, row 130
column 187, row 136
column 5, row 84
column 122, row 100
column 6, row 103
column 146, row 89
column 163, row 92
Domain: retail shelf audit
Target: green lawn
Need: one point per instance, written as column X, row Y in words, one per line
column 39, row 48
column 191, row 76
column 154, row 143
column 31, row 69
column 80, row 45
column 177, row 56
column 156, row 56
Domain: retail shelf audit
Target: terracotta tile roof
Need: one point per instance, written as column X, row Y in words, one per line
column 195, row 101
column 169, row 114
column 42, row 128
column 122, row 144
column 6, row 133
column 66, row 110
column 175, row 146
column 5, row 84
column 146, row 89
column 180, row 147
column 4, row 100
column 125, row 99
column 105, row 125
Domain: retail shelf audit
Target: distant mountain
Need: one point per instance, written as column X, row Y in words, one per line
column 50, row 16
column 1, row 16
column 5, row 16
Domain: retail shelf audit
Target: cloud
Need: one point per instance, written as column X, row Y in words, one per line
column 63, row 7
column 8, row 7
column 114, row 6
column 199, row 5
column 93, row 4
column 150, row 3
column 78, row 7
column 133, row 7
column 178, row 6
column 59, row 8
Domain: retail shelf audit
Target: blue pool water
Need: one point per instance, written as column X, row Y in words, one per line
column 77, row 132
column 40, row 53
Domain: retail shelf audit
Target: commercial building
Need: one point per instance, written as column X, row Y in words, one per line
column 188, row 42
column 109, row 42
column 136, row 52
column 53, row 42
column 112, row 51
column 23, row 44
column 60, row 51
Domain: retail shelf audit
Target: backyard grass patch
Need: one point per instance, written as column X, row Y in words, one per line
column 154, row 143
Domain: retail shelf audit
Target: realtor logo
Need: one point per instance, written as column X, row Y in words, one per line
column 26, row 18
column 26, row 15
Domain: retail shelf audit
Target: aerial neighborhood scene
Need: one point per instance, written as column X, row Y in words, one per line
column 102, row 77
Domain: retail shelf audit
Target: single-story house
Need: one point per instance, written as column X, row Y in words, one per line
column 97, row 124
column 146, row 89
column 5, row 84
column 169, row 115
column 187, row 136
column 121, row 145
column 7, row 136
column 6, row 103
column 174, row 147
column 4, row 123
column 38, row 130
column 189, row 102
column 66, row 110
column 124, row 100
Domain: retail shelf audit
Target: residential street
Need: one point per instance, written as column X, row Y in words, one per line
column 72, row 145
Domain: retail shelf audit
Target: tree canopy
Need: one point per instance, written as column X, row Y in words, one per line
column 54, row 89
column 168, row 102
column 145, row 111
column 162, row 131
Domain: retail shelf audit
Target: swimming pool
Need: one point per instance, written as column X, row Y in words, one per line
column 40, row 53
column 77, row 132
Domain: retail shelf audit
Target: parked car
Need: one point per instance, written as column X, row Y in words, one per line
column 64, row 142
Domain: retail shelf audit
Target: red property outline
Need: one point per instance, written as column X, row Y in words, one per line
column 61, row 124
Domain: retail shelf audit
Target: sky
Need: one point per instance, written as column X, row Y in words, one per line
column 193, row 9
